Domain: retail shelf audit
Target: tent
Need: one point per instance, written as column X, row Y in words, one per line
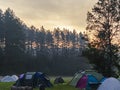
column 93, row 79
column 8, row 78
column 110, row 84
column 75, row 79
column 119, row 78
column 15, row 77
column 33, row 79
column 58, row 80
column 82, row 83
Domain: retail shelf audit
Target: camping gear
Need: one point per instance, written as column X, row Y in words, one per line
column 93, row 79
column 33, row 79
column 21, row 88
column 41, row 87
column 75, row 79
column 8, row 78
column 97, row 75
column 58, row 80
column 82, row 83
column 110, row 84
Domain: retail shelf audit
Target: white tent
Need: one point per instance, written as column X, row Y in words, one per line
column 15, row 77
column 110, row 84
column 7, row 78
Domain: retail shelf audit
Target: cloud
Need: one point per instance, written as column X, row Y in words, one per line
column 51, row 12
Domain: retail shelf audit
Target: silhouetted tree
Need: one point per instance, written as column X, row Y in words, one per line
column 50, row 43
column 2, row 31
column 56, row 36
column 14, row 39
column 104, row 28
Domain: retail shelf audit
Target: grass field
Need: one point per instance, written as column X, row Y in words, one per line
column 65, row 86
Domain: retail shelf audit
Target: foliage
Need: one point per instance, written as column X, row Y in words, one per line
column 104, row 28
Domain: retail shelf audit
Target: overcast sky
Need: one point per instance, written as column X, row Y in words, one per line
column 69, row 14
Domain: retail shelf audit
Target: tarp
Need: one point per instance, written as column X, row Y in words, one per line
column 110, row 84
column 8, row 78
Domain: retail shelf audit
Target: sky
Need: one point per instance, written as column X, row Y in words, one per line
column 69, row 14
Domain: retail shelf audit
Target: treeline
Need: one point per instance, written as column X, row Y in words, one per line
column 25, row 48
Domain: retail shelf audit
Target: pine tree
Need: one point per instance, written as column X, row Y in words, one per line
column 14, row 36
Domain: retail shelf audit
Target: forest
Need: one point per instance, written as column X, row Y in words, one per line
column 23, row 48
column 62, row 51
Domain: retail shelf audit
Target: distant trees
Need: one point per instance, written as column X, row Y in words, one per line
column 25, row 48
column 104, row 29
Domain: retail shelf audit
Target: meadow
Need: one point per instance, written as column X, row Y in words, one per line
column 64, row 86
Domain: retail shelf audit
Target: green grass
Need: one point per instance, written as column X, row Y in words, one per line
column 5, row 86
column 64, row 86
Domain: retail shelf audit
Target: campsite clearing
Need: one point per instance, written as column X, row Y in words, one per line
column 64, row 86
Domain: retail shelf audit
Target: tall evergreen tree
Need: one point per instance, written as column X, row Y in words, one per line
column 14, row 36
column 2, row 31
column 104, row 28
column 49, row 42
column 49, row 39
column 56, row 36
column 2, row 40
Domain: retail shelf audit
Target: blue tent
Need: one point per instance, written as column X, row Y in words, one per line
column 92, row 82
column 93, row 79
column 89, row 83
column 33, row 79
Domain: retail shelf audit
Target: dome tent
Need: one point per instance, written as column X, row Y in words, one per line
column 93, row 79
column 58, row 80
column 110, row 84
column 33, row 79
column 8, row 78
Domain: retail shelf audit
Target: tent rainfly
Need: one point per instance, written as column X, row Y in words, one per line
column 110, row 84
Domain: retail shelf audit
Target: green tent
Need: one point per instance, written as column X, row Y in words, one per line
column 95, row 74
column 75, row 79
column 78, row 75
